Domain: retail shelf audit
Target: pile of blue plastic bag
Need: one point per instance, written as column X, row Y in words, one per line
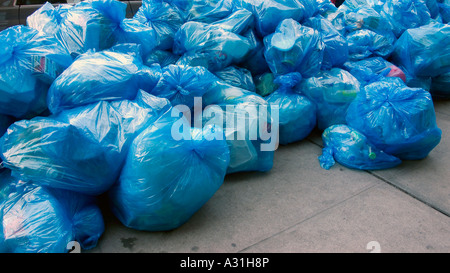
column 152, row 112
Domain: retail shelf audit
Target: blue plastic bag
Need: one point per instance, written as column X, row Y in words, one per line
column 255, row 61
column 206, row 11
column 47, row 150
column 106, row 75
column 181, row 84
column 133, row 31
column 405, row 14
column 397, row 119
column 164, row 18
column 366, row 43
column 161, row 57
column 29, row 62
column 5, row 121
column 269, row 13
column 297, row 113
column 91, row 24
column 210, row 45
column 37, row 219
column 335, row 53
column 372, row 69
column 424, row 51
column 332, row 91
column 294, row 48
column 444, row 10
column 246, row 119
column 237, row 76
column 148, row 196
column 352, row 149
column 47, row 18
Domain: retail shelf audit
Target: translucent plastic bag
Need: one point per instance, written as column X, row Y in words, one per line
column 265, row 84
column 37, row 219
column 352, row 149
column 47, row 18
column 210, row 46
column 335, row 53
column 405, row 14
column 440, row 86
column 424, row 51
column 237, row 76
column 444, row 10
column 332, row 91
column 372, row 69
column 181, row 84
column 397, row 119
column 91, row 24
column 294, row 48
column 297, row 113
column 161, row 57
column 47, row 150
column 29, row 62
column 206, row 11
column 246, row 119
column 269, row 13
column 164, row 18
column 106, row 75
column 148, row 196
column 365, row 43
column 5, row 121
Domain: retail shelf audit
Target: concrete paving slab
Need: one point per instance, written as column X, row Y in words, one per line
column 442, row 106
column 250, row 207
column 383, row 216
column 427, row 179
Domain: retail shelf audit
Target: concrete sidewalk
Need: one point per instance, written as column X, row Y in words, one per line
column 300, row 207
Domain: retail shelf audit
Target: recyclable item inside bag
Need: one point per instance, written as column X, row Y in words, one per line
column 164, row 18
column 397, row 119
column 352, row 149
column 106, row 75
column 29, row 62
column 332, row 91
column 294, row 48
column 297, row 113
column 265, row 84
column 210, row 46
column 147, row 195
column 47, row 150
column 424, row 51
column 36, row 219
column 246, row 119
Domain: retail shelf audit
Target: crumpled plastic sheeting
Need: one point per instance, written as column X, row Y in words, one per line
column 397, row 119
column 147, row 197
column 352, row 149
column 46, row 150
column 29, row 62
column 237, row 76
column 106, row 75
column 36, row 219
column 297, row 113
column 294, row 48
column 332, row 91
